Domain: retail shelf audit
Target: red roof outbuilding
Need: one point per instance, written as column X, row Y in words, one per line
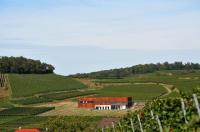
column 27, row 130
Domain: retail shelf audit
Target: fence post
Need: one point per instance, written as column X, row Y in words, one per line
column 102, row 129
column 152, row 115
column 133, row 130
column 113, row 125
column 183, row 109
column 159, row 123
column 141, row 129
column 196, row 103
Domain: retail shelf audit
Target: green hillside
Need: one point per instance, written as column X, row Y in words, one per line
column 138, row 69
column 29, row 84
column 137, row 91
column 182, row 80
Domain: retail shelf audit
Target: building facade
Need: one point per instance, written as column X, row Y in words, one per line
column 105, row 103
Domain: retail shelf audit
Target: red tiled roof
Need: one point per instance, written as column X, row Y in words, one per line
column 27, row 130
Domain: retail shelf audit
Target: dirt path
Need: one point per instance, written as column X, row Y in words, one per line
column 169, row 88
column 90, row 83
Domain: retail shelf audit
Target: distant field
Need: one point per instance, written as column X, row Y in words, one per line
column 183, row 80
column 137, row 91
column 29, row 84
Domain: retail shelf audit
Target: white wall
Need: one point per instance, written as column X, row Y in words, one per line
column 103, row 107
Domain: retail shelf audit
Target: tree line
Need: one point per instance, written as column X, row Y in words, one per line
column 23, row 65
column 139, row 69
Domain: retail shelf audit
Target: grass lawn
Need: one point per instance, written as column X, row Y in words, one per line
column 137, row 91
column 29, row 84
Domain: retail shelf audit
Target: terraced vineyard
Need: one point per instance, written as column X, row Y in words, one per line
column 184, row 81
column 49, row 97
column 32, row 92
column 29, row 84
column 164, row 115
column 24, row 111
column 139, row 92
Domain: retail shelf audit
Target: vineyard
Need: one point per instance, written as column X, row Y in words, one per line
column 167, row 108
column 163, row 115
column 139, row 92
column 49, row 97
column 3, row 81
column 24, row 85
column 24, row 111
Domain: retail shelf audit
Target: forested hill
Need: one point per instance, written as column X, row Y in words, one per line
column 23, row 65
column 139, row 69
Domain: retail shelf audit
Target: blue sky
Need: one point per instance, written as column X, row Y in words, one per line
column 89, row 35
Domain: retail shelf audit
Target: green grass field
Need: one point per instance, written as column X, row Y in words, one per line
column 136, row 91
column 30, row 84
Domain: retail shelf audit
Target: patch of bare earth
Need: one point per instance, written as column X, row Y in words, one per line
column 90, row 83
column 4, row 92
column 138, row 106
column 70, row 108
column 107, row 122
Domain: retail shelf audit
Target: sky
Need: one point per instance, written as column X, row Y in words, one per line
column 79, row 36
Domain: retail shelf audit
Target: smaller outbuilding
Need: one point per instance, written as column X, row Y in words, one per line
column 27, row 130
column 105, row 103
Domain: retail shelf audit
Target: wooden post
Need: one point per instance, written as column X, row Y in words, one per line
column 196, row 103
column 152, row 115
column 159, row 123
column 183, row 109
column 133, row 130
column 113, row 125
column 102, row 129
column 141, row 129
